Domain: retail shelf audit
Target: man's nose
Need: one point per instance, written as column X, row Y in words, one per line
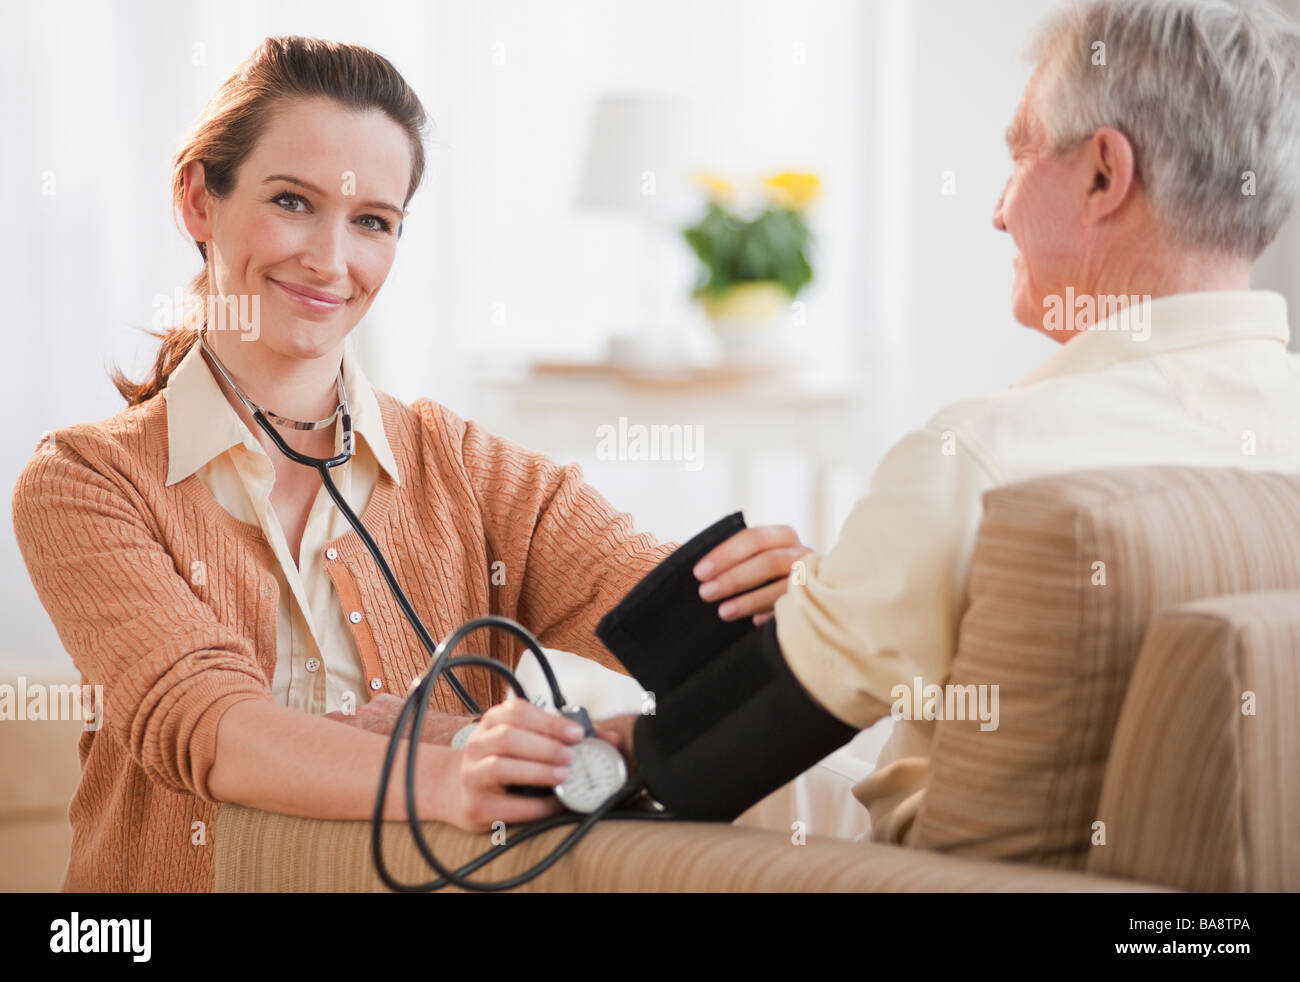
column 998, row 223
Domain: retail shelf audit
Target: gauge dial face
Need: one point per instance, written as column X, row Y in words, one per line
column 595, row 773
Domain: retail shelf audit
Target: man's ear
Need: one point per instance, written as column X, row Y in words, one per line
column 1112, row 166
column 196, row 204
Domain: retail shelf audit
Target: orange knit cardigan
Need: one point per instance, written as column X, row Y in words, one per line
column 478, row 525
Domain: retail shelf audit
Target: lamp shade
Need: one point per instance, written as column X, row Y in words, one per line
column 636, row 154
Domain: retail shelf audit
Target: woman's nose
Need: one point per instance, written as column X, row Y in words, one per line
column 998, row 223
column 326, row 251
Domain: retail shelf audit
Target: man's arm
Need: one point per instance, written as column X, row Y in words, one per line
column 882, row 607
column 879, row 610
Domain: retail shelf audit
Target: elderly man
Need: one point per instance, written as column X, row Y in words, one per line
column 1156, row 153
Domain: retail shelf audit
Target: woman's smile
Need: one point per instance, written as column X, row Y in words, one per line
column 317, row 301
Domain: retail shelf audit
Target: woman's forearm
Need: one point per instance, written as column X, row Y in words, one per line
column 274, row 758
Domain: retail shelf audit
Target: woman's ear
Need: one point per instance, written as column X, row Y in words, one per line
column 196, row 204
column 1113, row 174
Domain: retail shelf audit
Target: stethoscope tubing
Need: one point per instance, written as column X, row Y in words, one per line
column 416, row 703
column 323, row 466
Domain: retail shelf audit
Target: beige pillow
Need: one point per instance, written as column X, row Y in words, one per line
column 1067, row 573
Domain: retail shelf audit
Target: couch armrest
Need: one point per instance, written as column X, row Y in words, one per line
column 261, row 851
column 1201, row 789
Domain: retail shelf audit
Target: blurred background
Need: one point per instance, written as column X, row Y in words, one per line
column 851, row 153
column 722, row 253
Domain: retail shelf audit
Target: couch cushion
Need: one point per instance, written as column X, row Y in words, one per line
column 1209, row 732
column 1067, row 573
column 258, row 851
column 39, row 771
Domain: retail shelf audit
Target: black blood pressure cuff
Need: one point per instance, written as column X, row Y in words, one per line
column 733, row 733
column 731, row 722
column 662, row 631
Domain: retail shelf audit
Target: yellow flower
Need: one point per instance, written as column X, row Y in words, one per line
column 719, row 188
column 792, row 189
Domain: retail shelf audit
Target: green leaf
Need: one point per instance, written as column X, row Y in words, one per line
column 769, row 247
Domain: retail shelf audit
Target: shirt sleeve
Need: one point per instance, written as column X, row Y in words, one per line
column 882, row 607
column 131, row 622
column 568, row 553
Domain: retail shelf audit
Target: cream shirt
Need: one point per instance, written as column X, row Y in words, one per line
column 318, row 666
column 1210, row 385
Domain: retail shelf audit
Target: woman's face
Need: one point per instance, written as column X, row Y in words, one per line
column 311, row 226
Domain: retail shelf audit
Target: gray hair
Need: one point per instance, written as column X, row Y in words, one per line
column 1207, row 91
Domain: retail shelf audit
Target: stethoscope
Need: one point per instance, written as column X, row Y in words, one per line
column 264, row 418
column 598, row 780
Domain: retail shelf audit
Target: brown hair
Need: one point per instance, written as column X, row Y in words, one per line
column 281, row 68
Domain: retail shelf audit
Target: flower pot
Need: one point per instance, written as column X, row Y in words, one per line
column 748, row 317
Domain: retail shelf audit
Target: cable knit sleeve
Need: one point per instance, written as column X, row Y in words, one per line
column 169, row 668
column 569, row 553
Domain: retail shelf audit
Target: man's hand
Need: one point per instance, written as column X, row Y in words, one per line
column 380, row 714
column 752, row 568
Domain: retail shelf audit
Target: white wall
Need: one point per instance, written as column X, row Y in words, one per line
column 1279, row 268
column 967, row 73
column 97, row 97
column 773, row 85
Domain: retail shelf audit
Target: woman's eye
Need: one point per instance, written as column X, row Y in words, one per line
column 380, row 224
column 290, row 197
column 290, row 202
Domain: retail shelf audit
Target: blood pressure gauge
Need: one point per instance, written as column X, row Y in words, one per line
column 596, row 772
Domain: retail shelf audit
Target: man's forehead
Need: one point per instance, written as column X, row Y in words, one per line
column 1025, row 128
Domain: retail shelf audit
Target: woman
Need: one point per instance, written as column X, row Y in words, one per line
column 208, row 583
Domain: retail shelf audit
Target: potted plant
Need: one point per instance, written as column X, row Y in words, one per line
column 753, row 259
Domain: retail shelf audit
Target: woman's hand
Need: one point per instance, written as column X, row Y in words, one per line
column 752, row 568
column 515, row 743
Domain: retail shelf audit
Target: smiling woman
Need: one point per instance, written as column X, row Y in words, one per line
column 308, row 226
column 268, row 148
column 232, row 616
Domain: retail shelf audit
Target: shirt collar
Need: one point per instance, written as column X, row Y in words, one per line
column 1183, row 320
column 201, row 423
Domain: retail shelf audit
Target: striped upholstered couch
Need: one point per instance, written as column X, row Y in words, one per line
column 1143, row 627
